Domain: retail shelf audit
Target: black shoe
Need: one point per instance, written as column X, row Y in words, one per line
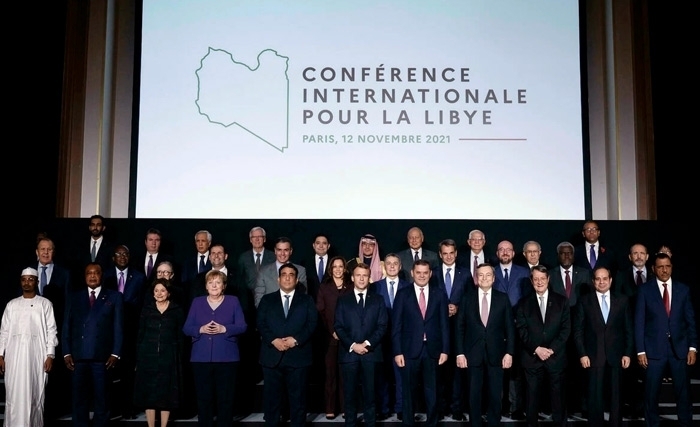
column 517, row 415
column 399, row 416
column 383, row 416
column 458, row 416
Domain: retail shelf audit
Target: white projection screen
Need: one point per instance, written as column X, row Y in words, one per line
column 322, row 109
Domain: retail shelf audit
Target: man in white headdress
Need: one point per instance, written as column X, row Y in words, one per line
column 27, row 342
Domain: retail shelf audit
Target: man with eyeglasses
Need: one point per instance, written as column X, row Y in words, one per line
column 474, row 257
column 592, row 254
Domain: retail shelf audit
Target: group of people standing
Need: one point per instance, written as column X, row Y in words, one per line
column 466, row 329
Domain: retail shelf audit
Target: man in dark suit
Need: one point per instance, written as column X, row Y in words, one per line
column 665, row 336
column 92, row 343
column 360, row 323
column 544, row 324
column 603, row 332
column 317, row 265
column 592, row 254
column 514, row 281
column 100, row 249
column 452, row 279
column 567, row 279
column 268, row 276
column 148, row 261
column 390, row 374
column 286, row 320
column 415, row 252
column 475, row 256
column 421, row 340
column 131, row 283
column 251, row 261
column 485, row 344
column 197, row 263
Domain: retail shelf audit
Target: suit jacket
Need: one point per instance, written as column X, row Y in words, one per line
column 300, row 323
column 651, row 324
column 190, row 268
column 57, row 291
column 606, row 258
column 580, row 280
column 140, row 264
column 247, row 274
column 460, row 277
column 93, row 333
column 603, row 342
column 409, row 327
column 313, row 284
column 381, row 288
column 267, row 281
column 355, row 324
column 552, row 333
column 103, row 257
column 518, row 282
column 406, row 257
column 625, row 282
column 135, row 288
column 485, row 344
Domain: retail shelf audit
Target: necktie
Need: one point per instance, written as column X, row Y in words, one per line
column 542, row 308
column 92, row 298
column 505, row 274
column 568, row 284
column 257, row 261
column 121, row 282
column 391, row 293
column 202, row 265
column 476, row 266
column 639, row 280
column 43, row 280
column 667, row 301
column 606, row 309
column 592, row 256
column 320, row 269
column 484, row 310
column 361, row 302
column 415, row 256
column 93, row 251
column 149, row 268
column 448, row 282
column 286, row 305
column 421, row 302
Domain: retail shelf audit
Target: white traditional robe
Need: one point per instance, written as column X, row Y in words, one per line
column 27, row 337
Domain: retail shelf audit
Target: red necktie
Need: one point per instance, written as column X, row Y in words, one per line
column 92, row 298
column 568, row 284
column 476, row 267
column 421, row 302
column 639, row 280
column 667, row 301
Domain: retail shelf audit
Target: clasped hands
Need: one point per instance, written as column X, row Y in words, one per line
column 544, row 353
column 212, row 328
column 284, row 344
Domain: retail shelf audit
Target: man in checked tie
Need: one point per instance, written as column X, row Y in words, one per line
column 665, row 337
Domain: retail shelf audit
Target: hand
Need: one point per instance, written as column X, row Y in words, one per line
column 585, row 362
column 111, row 362
column 543, row 353
column 507, row 361
column 442, row 359
column 68, row 360
column 360, row 348
column 279, row 344
column 335, row 336
column 2, row 365
column 400, row 362
column 48, row 364
column 642, row 360
column 462, row 361
column 626, row 362
column 451, row 309
column 692, row 356
column 289, row 342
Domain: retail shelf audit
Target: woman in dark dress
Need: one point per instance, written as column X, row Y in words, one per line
column 336, row 282
column 158, row 350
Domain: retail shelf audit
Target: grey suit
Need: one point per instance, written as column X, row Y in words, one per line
column 406, row 257
column 267, row 280
column 247, row 274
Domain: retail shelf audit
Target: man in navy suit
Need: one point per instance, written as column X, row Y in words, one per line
column 603, row 333
column 665, row 337
column 592, row 254
column 415, row 252
column 197, row 263
column 543, row 322
column 92, row 344
column 100, row 249
column 389, row 374
column 452, row 280
column 131, row 283
column 475, row 256
column 421, row 340
column 360, row 323
column 153, row 255
column 317, row 264
column 286, row 320
column 485, row 344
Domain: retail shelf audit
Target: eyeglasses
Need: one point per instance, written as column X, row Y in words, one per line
column 590, row 229
column 120, row 254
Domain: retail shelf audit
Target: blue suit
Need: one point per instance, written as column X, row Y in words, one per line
column 666, row 340
column 420, row 341
column 518, row 282
column 390, row 373
column 91, row 335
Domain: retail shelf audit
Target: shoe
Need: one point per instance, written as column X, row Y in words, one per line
column 517, row 415
column 330, row 416
column 383, row 416
column 399, row 416
column 458, row 416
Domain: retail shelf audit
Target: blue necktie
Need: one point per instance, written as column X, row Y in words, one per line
column 391, row 293
column 202, row 266
column 42, row 283
column 505, row 273
column 448, row 282
column 320, row 269
column 606, row 309
column 286, row 306
column 592, row 256
column 93, row 252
